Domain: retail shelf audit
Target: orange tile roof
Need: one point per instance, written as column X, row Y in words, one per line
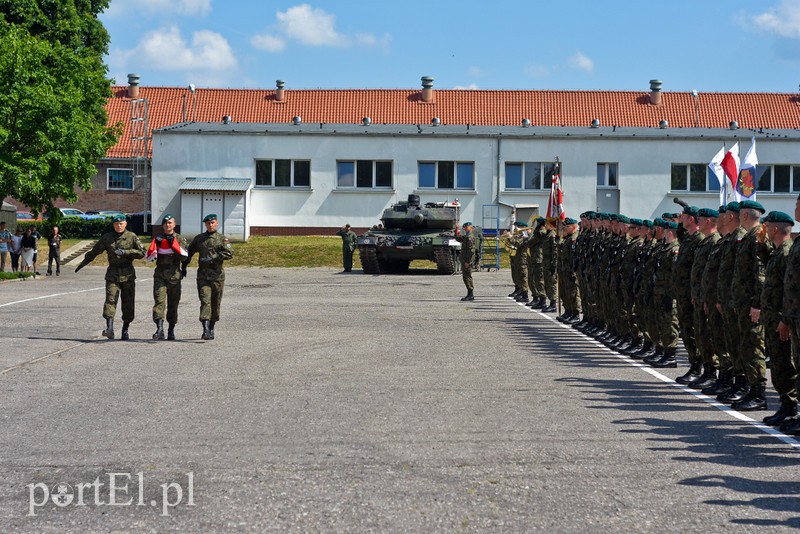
column 166, row 106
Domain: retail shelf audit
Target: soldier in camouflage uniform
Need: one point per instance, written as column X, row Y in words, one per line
column 168, row 251
column 514, row 242
column 348, row 246
column 121, row 248
column 213, row 249
column 467, row 240
column 632, row 338
column 789, row 326
column 783, row 368
column 748, row 280
column 665, row 319
column 550, row 265
column 568, row 280
column 681, row 287
column 535, row 244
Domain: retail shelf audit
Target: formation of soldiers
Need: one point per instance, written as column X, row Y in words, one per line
column 725, row 282
column 172, row 256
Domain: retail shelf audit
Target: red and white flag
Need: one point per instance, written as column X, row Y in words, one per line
column 555, row 206
column 730, row 164
column 164, row 246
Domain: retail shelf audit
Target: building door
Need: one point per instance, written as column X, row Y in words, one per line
column 608, row 200
column 608, row 187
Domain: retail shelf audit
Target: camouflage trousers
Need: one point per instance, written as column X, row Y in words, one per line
column 751, row 348
column 466, row 275
column 686, row 324
column 734, row 361
column 210, row 293
column 519, row 273
column 716, row 327
column 166, row 295
column 347, row 258
column 550, row 282
column 702, row 335
column 665, row 321
column 568, row 292
column 536, row 279
column 113, row 292
column 782, row 364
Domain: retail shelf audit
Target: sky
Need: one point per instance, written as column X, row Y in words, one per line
column 703, row 45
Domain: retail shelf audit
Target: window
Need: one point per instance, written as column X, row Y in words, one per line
column 776, row 178
column 529, row 175
column 120, row 179
column 607, row 175
column 446, row 174
column 364, row 174
column 696, row 177
column 283, row 173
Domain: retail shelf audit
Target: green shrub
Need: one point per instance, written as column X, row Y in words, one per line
column 73, row 227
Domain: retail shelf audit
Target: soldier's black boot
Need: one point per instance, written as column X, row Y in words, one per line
column 787, row 410
column 648, row 349
column 634, row 347
column 514, row 293
column 171, row 332
column 757, row 400
column 667, row 360
column 125, row 336
column 211, row 329
column 159, row 329
column 706, row 380
column 206, row 330
column 550, row 307
column 109, row 331
column 522, row 297
column 724, row 381
column 737, row 392
column 657, row 354
column 469, row 296
column 694, row 372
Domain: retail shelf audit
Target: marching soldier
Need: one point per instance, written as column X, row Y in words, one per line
column 121, row 248
column 213, row 249
column 169, row 252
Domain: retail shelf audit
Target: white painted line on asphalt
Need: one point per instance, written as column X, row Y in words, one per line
column 40, row 358
column 705, row 398
column 60, row 294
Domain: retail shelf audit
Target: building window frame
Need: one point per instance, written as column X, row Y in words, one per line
column 446, row 174
column 693, row 178
column 119, row 179
column 280, row 173
column 771, row 178
column 364, row 174
column 608, row 175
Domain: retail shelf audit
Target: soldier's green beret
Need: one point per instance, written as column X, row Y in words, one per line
column 635, row 222
column 210, row 217
column 691, row 210
column 540, row 220
column 658, row 221
column 777, row 217
column 707, row 212
column 647, row 223
column 623, row 219
column 468, row 223
column 118, row 218
column 613, row 216
column 167, row 217
column 666, row 215
column 752, row 205
column 722, row 209
column 671, row 224
column 570, row 221
column 518, row 223
column 733, row 206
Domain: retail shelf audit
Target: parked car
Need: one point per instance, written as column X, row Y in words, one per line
column 75, row 212
column 27, row 216
column 105, row 213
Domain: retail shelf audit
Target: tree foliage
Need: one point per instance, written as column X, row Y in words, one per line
column 53, row 92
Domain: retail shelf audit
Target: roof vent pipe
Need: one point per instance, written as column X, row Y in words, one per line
column 733, row 125
column 663, row 124
column 133, row 86
column 595, row 123
column 427, row 89
column 296, row 120
column 366, row 121
column 279, row 96
column 226, row 119
column 526, row 123
column 655, row 92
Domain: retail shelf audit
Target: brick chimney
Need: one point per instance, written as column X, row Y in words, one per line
column 133, row 86
column 655, row 92
column 279, row 90
column 427, row 89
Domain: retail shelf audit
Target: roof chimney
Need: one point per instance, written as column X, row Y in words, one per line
column 655, row 92
column 279, row 96
column 427, row 89
column 133, row 86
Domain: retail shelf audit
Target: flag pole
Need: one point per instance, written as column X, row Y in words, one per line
column 558, row 234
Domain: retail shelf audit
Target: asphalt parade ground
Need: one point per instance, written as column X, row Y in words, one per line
column 335, row 402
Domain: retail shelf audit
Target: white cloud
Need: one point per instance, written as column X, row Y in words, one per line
column 194, row 8
column 537, row 71
column 580, row 61
column 782, row 19
column 268, row 43
column 471, row 86
column 310, row 26
column 475, row 71
column 206, row 58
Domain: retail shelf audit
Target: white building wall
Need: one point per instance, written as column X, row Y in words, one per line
column 644, row 172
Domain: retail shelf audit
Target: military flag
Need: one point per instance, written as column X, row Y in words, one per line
column 555, row 206
column 164, row 245
column 747, row 184
column 716, row 168
column 730, row 164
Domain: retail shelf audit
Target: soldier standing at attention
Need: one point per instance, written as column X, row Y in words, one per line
column 348, row 246
column 213, row 249
column 168, row 251
column 789, row 326
column 121, row 247
column 567, row 262
column 467, row 240
column 681, row 287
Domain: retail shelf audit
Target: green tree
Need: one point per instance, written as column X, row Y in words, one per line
column 53, row 92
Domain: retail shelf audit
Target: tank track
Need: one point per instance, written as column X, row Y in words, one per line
column 369, row 259
column 445, row 260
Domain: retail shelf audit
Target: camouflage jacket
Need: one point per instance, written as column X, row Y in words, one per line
column 348, row 239
column 168, row 266
column 791, row 284
column 772, row 293
column 662, row 281
column 567, row 249
column 682, row 270
column 120, row 266
column 727, row 260
column 701, row 255
column 748, row 273
column 708, row 283
column 213, row 249
column 467, row 240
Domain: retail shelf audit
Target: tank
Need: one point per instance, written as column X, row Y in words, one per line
column 412, row 232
